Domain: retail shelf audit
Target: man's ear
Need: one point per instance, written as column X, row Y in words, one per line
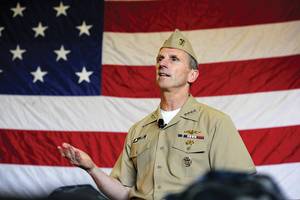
column 193, row 75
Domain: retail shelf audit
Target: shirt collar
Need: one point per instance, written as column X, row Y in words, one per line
column 188, row 111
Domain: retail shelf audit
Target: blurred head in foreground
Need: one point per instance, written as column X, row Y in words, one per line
column 231, row 186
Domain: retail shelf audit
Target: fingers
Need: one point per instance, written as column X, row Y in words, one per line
column 61, row 151
column 77, row 156
column 72, row 155
column 68, row 151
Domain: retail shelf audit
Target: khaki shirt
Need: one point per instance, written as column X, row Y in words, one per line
column 155, row 161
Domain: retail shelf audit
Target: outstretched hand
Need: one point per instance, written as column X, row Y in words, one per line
column 76, row 156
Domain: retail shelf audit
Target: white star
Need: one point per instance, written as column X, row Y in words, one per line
column 61, row 9
column 1, row 70
column 17, row 53
column 1, row 29
column 39, row 30
column 18, row 10
column 84, row 75
column 38, row 75
column 62, row 53
column 84, row 29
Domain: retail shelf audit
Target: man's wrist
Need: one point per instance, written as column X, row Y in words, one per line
column 91, row 170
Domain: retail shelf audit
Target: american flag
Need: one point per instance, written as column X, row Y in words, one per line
column 83, row 72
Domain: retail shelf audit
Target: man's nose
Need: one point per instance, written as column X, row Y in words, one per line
column 163, row 61
column 160, row 66
column 163, row 64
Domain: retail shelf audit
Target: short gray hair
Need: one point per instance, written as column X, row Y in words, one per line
column 193, row 62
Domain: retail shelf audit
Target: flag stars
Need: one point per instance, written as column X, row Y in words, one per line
column 84, row 75
column 18, row 10
column 1, row 29
column 84, row 28
column 39, row 30
column 38, row 75
column 61, row 53
column 17, row 53
column 61, row 9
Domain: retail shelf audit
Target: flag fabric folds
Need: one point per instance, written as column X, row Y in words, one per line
column 84, row 72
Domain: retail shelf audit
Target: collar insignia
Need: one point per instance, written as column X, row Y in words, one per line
column 190, row 112
column 135, row 140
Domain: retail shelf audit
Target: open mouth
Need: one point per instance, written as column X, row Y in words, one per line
column 161, row 74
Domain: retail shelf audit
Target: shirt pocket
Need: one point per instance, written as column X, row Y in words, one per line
column 186, row 160
column 140, row 155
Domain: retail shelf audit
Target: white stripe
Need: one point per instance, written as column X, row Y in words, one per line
column 212, row 45
column 260, row 110
column 248, row 111
column 30, row 184
column 39, row 181
column 287, row 176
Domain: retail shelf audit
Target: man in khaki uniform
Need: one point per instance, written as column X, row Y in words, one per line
column 181, row 140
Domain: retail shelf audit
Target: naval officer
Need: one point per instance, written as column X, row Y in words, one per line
column 181, row 140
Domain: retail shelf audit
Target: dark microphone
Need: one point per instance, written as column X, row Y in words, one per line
column 161, row 124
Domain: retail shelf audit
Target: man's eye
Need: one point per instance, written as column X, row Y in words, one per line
column 174, row 59
column 158, row 59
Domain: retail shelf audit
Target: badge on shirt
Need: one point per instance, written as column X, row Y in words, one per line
column 187, row 161
column 189, row 142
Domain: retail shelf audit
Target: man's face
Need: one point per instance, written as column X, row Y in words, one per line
column 172, row 69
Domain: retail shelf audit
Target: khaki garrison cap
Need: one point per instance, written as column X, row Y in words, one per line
column 178, row 41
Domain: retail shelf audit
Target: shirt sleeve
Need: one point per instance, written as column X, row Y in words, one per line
column 124, row 170
column 227, row 150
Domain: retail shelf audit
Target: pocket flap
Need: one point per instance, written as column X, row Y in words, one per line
column 138, row 148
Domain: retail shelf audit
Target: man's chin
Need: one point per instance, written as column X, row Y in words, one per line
column 164, row 88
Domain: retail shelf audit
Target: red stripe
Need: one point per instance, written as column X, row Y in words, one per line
column 153, row 16
column 40, row 147
column 267, row 146
column 273, row 146
column 228, row 78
